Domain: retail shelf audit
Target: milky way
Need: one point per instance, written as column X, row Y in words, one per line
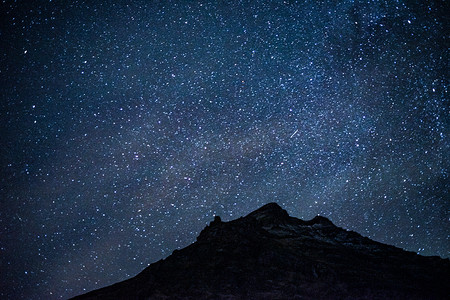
column 127, row 127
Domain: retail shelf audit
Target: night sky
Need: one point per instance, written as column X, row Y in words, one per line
column 126, row 127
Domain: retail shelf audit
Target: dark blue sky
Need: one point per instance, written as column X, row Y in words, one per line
column 127, row 127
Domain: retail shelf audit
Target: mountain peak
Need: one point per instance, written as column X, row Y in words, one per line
column 269, row 212
column 321, row 220
column 270, row 206
column 270, row 255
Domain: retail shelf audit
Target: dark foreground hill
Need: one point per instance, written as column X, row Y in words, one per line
column 270, row 255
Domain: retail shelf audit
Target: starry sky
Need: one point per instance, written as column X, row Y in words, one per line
column 126, row 127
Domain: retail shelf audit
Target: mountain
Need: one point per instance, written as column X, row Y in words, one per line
column 270, row 255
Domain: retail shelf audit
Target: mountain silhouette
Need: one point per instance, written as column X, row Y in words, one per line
column 270, row 255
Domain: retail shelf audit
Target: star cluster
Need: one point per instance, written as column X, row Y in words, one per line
column 127, row 127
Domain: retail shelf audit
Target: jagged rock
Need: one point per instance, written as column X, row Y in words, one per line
column 270, row 255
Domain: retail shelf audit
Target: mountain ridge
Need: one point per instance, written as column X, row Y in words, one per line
column 268, row 254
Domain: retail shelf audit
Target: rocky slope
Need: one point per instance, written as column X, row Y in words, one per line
column 270, row 255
